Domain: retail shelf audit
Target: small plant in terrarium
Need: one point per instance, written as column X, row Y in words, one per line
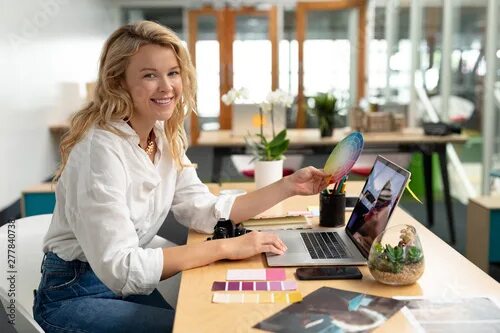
column 402, row 263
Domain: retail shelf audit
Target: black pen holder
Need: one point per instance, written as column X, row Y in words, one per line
column 331, row 209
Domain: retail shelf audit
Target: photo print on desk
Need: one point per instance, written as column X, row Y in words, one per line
column 333, row 310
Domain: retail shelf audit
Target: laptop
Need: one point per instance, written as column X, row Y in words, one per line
column 351, row 245
column 246, row 119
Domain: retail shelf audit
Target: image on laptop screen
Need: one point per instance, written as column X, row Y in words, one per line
column 377, row 200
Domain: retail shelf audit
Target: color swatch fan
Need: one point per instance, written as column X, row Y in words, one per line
column 343, row 156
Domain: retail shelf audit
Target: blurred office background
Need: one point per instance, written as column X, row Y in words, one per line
column 430, row 59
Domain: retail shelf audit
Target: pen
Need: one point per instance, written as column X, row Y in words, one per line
column 340, row 185
column 332, row 189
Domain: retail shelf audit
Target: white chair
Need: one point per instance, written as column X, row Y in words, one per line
column 28, row 236
column 29, row 233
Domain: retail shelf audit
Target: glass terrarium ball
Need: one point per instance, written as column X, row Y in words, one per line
column 396, row 256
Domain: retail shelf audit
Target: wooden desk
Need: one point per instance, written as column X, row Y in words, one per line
column 447, row 273
column 411, row 140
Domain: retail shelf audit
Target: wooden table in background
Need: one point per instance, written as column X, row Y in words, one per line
column 307, row 141
column 447, row 273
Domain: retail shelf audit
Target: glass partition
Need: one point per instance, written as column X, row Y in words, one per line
column 331, row 46
column 207, row 71
column 495, row 172
column 289, row 55
column 389, row 52
column 432, row 45
column 252, row 56
column 468, row 67
column 327, row 52
column 171, row 17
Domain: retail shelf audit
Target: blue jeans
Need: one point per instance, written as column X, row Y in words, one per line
column 71, row 298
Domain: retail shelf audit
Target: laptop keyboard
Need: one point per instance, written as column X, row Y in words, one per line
column 325, row 245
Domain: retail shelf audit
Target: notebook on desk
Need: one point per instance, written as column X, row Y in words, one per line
column 277, row 223
column 350, row 246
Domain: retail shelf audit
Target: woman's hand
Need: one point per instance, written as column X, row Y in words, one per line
column 306, row 181
column 251, row 244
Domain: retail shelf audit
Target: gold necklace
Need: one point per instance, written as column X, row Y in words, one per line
column 150, row 147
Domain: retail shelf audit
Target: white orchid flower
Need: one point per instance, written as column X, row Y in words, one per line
column 271, row 98
column 244, row 93
column 226, row 100
column 279, row 97
column 266, row 106
column 234, row 94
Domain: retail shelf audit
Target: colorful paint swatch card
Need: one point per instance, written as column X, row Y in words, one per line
column 258, row 298
column 343, row 156
column 254, row 285
column 262, row 274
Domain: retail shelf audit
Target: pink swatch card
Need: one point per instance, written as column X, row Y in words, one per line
column 262, row 274
column 254, row 285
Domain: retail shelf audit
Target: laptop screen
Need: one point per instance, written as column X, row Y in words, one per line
column 377, row 200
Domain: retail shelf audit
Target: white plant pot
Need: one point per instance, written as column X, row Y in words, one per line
column 267, row 172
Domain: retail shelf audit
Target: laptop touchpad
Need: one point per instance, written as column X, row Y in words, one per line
column 294, row 243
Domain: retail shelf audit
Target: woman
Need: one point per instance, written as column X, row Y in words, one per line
column 123, row 168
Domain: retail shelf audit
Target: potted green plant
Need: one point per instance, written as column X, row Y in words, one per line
column 268, row 153
column 324, row 107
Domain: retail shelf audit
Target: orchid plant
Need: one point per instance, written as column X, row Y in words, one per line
column 264, row 149
column 234, row 95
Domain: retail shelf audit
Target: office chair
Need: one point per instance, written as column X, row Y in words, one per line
column 28, row 237
column 29, row 234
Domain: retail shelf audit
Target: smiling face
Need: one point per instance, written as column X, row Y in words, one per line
column 154, row 82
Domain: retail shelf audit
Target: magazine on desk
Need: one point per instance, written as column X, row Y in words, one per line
column 457, row 315
column 334, row 311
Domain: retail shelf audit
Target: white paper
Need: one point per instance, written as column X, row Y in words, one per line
column 465, row 314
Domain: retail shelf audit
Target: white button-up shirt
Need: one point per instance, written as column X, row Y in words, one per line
column 111, row 200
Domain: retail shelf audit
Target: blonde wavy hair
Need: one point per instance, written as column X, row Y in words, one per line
column 112, row 102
